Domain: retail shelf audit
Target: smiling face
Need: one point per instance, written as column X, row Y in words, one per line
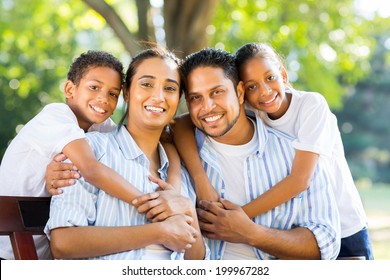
column 214, row 105
column 154, row 94
column 264, row 85
column 95, row 98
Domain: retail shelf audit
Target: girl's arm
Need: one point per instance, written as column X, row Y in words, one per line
column 174, row 169
column 184, row 139
column 296, row 182
column 98, row 174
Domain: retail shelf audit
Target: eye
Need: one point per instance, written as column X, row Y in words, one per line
column 171, row 88
column 271, row 78
column 113, row 94
column 194, row 98
column 251, row 87
column 93, row 87
column 146, row 84
column 217, row 91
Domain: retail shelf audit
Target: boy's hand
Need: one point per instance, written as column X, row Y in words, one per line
column 60, row 174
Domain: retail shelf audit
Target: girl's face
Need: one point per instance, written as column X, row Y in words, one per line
column 264, row 85
column 154, row 94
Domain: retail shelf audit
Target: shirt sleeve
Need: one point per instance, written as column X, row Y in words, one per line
column 52, row 129
column 317, row 127
column 74, row 207
column 319, row 213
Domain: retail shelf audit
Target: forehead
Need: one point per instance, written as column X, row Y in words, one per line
column 159, row 68
column 205, row 78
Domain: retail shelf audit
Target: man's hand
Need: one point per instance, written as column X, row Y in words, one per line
column 164, row 205
column 229, row 223
column 60, row 174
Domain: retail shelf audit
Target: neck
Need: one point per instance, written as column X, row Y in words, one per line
column 147, row 141
column 241, row 133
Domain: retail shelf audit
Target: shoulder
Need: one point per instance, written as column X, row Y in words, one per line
column 311, row 98
column 107, row 126
column 99, row 142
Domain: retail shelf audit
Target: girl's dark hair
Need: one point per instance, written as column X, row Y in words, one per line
column 156, row 52
column 210, row 57
column 262, row 50
column 92, row 59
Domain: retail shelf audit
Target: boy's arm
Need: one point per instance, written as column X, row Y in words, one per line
column 184, row 139
column 98, row 174
column 296, row 182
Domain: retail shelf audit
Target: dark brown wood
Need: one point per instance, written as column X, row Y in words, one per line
column 20, row 218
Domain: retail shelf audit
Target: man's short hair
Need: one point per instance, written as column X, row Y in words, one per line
column 210, row 57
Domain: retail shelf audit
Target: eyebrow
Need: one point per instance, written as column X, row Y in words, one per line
column 100, row 82
column 210, row 89
column 153, row 77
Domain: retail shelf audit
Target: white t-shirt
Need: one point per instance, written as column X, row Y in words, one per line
column 314, row 126
column 233, row 166
column 23, row 167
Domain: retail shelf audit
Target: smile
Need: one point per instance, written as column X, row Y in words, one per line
column 155, row 109
column 270, row 101
column 98, row 109
column 213, row 118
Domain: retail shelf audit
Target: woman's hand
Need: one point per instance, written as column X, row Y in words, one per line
column 60, row 174
column 177, row 233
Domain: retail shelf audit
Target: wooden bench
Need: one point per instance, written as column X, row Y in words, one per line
column 21, row 218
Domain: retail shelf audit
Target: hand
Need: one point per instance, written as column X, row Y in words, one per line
column 60, row 174
column 166, row 204
column 229, row 223
column 177, row 233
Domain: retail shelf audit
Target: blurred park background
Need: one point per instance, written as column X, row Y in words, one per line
column 339, row 48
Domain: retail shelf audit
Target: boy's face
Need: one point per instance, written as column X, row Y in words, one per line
column 264, row 86
column 95, row 98
column 214, row 103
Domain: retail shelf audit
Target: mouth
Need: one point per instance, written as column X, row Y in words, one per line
column 98, row 109
column 269, row 101
column 210, row 119
column 155, row 109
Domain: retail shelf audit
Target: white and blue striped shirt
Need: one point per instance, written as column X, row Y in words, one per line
column 314, row 208
column 86, row 205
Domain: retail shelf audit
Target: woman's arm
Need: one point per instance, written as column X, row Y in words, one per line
column 93, row 241
column 184, row 139
column 296, row 182
column 98, row 174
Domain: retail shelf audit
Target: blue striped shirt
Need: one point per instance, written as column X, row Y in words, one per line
column 314, row 208
column 86, row 205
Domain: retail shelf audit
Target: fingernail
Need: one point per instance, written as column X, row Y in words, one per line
column 75, row 167
column 134, row 201
column 76, row 175
column 72, row 182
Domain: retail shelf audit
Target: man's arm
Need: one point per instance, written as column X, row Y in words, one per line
column 233, row 225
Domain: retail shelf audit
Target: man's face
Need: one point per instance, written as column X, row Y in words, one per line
column 213, row 102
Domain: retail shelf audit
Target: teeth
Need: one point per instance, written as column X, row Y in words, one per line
column 213, row 118
column 154, row 109
column 98, row 109
column 270, row 100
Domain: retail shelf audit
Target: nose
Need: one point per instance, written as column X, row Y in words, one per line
column 103, row 97
column 265, row 89
column 158, row 94
column 208, row 104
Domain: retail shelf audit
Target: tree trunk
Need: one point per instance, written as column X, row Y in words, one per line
column 185, row 24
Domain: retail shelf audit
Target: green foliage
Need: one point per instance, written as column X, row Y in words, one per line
column 323, row 42
column 39, row 42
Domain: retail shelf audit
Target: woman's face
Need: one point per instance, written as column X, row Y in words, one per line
column 154, row 94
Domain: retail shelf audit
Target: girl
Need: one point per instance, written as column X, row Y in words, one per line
column 305, row 116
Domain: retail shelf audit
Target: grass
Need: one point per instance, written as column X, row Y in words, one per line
column 376, row 201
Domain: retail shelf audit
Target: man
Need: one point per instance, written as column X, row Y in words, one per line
column 243, row 159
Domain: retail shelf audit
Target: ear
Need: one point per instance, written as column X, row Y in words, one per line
column 284, row 75
column 68, row 89
column 241, row 92
column 125, row 90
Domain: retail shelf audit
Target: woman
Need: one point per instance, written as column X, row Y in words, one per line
column 86, row 222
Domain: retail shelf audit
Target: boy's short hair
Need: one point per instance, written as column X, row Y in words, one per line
column 210, row 57
column 92, row 59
